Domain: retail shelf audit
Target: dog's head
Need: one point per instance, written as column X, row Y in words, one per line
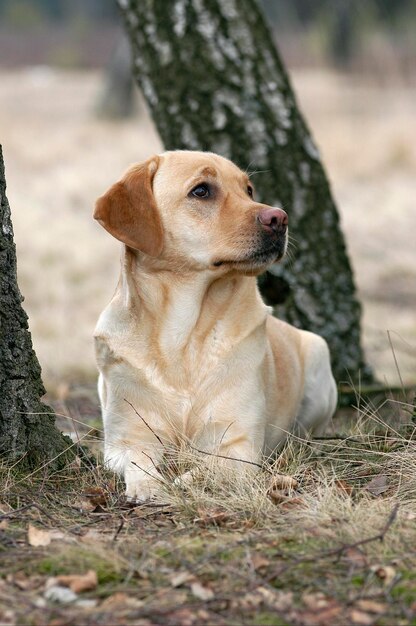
column 193, row 210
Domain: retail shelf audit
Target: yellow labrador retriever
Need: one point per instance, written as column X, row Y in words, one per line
column 187, row 350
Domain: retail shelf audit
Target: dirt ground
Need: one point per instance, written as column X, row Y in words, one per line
column 325, row 536
column 60, row 158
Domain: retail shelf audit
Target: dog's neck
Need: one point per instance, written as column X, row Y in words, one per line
column 186, row 308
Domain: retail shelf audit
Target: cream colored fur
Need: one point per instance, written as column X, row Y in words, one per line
column 187, row 340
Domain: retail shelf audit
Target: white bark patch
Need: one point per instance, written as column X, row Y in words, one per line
column 179, row 15
column 7, row 229
column 280, row 137
column 132, row 19
column 229, row 10
column 242, row 37
column 250, row 85
column 188, row 137
column 308, row 304
column 219, row 119
column 256, row 130
column 276, row 104
column 208, row 28
column 228, row 48
column 147, row 86
column 173, row 109
column 163, row 48
column 231, row 100
column 305, row 172
column 311, row 148
column 298, row 206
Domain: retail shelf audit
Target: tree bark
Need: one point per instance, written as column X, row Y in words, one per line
column 27, row 430
column 214, row 81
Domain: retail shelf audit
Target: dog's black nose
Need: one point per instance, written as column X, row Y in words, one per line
column 273, row 219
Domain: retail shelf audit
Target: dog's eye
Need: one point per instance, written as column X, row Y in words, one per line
column 250, row 191
column 201, row 191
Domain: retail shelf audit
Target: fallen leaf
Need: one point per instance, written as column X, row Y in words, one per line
column 315, row 601
column 201, row 592
column 258, row 561
column 386, row 573
column 116, row 599
column 292, row 503
column 248, row 602
column 322, row 611
column 277, row 496
column 37, row 537
column 344, row 487
column 96, row 496
column 79, row 582
column 361, row 618
column 84, row 505
column 184, row 617
column 371, row 606
column 211, row 517
column 180, row 578
column 377, row 485
column 279, row 600
column 280, row 481
column 356, row 557
column 121, row 600
column 321, row 617
column 7, row 618
column 204, row 615
column 24, row 582
column 4, row 524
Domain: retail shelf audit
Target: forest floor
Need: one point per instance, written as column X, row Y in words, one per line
column 324, row 536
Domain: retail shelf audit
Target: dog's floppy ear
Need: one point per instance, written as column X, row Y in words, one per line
column 128, row 210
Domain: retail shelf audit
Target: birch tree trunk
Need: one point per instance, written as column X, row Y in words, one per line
column 27, row 430
column 213, row 80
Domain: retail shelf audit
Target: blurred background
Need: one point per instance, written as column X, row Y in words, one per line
column 65, row 140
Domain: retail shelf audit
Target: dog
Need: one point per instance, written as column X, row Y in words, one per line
column 187, row 351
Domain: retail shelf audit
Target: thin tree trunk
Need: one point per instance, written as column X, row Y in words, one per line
column 214, row 81
column 27, row 430
column 117, row 98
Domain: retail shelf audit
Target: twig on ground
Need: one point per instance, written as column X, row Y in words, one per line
column 119, row 529
column 22, row 509
column 336, row 438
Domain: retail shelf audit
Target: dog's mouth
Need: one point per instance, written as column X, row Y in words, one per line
column 255, row 260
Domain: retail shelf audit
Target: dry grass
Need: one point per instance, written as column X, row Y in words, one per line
column 332, row 543
column 59, row 158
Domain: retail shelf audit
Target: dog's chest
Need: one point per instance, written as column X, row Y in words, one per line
column 186, row 386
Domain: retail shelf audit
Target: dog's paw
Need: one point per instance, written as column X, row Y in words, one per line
column 184, row 480
column 141, row 490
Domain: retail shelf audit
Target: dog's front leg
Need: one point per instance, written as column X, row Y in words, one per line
column 143, row 481
column 132, row 449
column 233, row 446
